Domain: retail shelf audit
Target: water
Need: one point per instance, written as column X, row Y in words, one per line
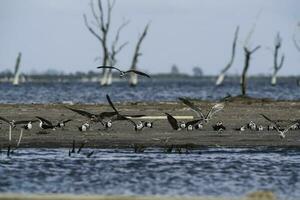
column 153, row 90
column 227, row 172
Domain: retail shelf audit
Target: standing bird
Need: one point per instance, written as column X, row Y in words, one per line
column 205, row 118
column 219, row 127
column 123, row 73
column 281, row 131
column 84, row 127
column 45, row 124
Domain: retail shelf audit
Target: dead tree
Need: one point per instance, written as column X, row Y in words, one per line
column 17, row 69
column 102, row 24
column 221, row 77
column 277, row 67
column 248, row 54
column 115, row 50
column 133, row 77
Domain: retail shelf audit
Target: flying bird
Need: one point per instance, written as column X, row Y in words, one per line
column 25, row 124
column 281, row 131
column 180, row 125
column 119, row 117
column 123, row 73
column 63, row 123
column 216, row 108
column 94, row 117
column 45, row 124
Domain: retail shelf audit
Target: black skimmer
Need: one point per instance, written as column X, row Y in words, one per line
column 119, row 117
column 181, row 125
column 45, row 124
column 63, row 123
column 252, row 126
column 84, row 127
column 205, row 118
column 26, row 124
column 123, row 73
column 260, row 128
column 219, row 127
column 281, row 131
column 242, row 128
column 94, row 117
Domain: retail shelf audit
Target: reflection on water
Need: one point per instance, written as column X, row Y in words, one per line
column 153, row 90
column 229, row 172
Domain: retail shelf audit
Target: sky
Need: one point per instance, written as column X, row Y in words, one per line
column 51, row 34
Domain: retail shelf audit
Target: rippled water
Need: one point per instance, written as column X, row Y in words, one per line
column 153, row 90
column 228, row 172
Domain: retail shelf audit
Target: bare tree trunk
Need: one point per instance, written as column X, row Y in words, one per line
column 222, row 74
column 296, row 43
column 248, row 54
column 277, row 67
column 17, row 70
column 133, row 80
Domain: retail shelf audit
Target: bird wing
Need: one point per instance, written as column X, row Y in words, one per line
column 194, row 108
column 5, row 120
column 108, row 67
column 274, row 123
column 25, row 121
column 173, row 122
column 66, row 121
column 81, row 112
column 216, row 108
column 111, row 103
column 45, row 121
column 138, row 72
column 106, row 114
column 193, row 122
column 289, row 127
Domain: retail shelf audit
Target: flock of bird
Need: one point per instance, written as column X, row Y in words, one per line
column 106, row 119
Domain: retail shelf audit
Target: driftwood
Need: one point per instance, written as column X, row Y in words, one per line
column 17, row 70
column 133, row 77
column 276, row 66
column 248, row 54
column 221, row 77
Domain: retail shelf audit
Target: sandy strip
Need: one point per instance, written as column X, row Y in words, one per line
column 122, row 135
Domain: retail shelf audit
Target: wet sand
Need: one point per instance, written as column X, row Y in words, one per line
column 237, row 112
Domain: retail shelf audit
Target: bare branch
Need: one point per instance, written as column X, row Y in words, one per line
column 114, row 49
column 137, row 48
column 94, row 13
column 110, row 6
column 91, row 29
column 221, row 77
column 101, row 16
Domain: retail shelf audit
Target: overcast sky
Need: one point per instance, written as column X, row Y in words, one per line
column 51, row 34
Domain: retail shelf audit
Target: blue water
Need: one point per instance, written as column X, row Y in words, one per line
column 153, row 90
column 227, row 172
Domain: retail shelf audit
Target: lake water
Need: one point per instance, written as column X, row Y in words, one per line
column 153, row 90
column 214, row 171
